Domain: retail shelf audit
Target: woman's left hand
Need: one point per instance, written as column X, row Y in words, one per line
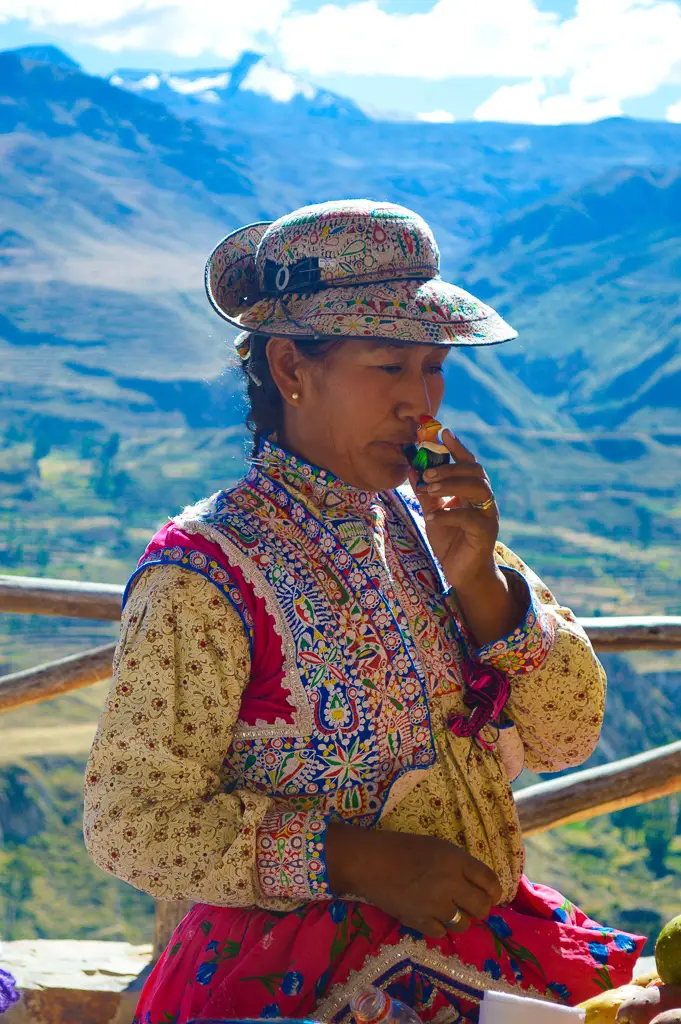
column 461, row 536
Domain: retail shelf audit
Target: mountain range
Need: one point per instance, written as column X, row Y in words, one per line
column 592, row 278
column 119, row 401
column 113, row 191
column 252, row 91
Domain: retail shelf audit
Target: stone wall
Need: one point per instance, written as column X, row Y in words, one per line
column 75, row 982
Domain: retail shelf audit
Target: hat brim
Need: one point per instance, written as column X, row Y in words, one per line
column 231, row 279
column 431, row 312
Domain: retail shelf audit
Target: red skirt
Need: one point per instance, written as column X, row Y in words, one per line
column 225, row 962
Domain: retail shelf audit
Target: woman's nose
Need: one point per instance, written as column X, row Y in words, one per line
column 415, row 401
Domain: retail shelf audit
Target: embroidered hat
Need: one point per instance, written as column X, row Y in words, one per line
column 352, row 268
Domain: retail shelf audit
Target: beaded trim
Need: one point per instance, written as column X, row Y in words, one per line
column 360, row 757
column 335, row 1008
column 525, row 648
column 291, row 857
column 302, row 724
column 198, row 562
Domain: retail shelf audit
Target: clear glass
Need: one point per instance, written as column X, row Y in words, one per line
column 371, row 1005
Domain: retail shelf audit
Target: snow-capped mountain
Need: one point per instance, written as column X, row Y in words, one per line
column 252, row 88
column 47, row 54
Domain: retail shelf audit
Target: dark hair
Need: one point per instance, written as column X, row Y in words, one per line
column 266, row 407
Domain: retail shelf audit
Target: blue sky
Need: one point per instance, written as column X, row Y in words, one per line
column 539, row 61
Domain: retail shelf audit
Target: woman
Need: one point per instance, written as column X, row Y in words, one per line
column 324, row 686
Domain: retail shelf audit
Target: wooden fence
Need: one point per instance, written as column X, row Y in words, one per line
column 575, row 797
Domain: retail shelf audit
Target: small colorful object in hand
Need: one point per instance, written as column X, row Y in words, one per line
column 429, row 451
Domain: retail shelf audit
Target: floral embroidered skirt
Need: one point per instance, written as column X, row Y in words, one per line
column 231, row 963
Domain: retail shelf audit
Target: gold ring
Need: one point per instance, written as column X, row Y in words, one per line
column 482, row 506
column 453, row 921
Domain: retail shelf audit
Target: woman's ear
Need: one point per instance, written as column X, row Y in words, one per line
column 286, row 367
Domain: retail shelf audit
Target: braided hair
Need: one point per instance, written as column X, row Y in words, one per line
column 265, row 415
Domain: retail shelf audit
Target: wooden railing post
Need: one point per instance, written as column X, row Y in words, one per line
column 575, row 797
column 166, row 919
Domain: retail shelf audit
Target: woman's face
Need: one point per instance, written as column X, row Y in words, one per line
column 359, row 406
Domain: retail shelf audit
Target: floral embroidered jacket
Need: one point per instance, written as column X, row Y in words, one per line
column 289, row 654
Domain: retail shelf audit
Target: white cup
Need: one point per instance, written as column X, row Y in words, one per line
column 500, row 1008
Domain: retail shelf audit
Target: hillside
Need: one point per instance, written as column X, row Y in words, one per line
column 105, row 330
column 591, row 275
column 590, row 280
column 136, row 196
column 119, row 402
column 623, row 869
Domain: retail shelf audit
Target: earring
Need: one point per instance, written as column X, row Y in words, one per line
column 295, row 396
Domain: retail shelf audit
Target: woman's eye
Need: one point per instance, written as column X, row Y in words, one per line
column 437, row 368
column 393, row 368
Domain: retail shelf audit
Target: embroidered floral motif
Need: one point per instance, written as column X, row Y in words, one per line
column 198, row 562
column 310, row 963
column 176, row 793
column 155, row 793
column 325, row 490
column 349, row 268
column 411, row 311
column 526, row 648
column 290, row 856
column 356, row 653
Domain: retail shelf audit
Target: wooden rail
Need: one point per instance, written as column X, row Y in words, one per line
column 631, row 633
column 30, row 595
column 610, row 787
column 575, row 797
column 37, row 596
column 34, row 685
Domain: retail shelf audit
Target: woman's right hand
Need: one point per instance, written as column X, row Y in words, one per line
column 420, row 880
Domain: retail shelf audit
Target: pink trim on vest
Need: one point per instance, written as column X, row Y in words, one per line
column 265, row 699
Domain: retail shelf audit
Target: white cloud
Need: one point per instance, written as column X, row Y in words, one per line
column 573, row 68
column 275, row 83
column 186, row 28
column 528, row 103
column 620, row 48
column 674, row 112
column 608, row 51
column 454, row 37
column 629, row 46
column 436, row 117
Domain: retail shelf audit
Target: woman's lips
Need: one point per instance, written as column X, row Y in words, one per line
column 398, row 447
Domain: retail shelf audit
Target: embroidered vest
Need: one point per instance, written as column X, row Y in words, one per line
column 338, row 590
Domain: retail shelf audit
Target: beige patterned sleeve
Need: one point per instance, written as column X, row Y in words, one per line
column 558, row 706
column 156, row 814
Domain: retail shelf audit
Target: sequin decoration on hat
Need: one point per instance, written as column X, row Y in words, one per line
column 352, row 268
